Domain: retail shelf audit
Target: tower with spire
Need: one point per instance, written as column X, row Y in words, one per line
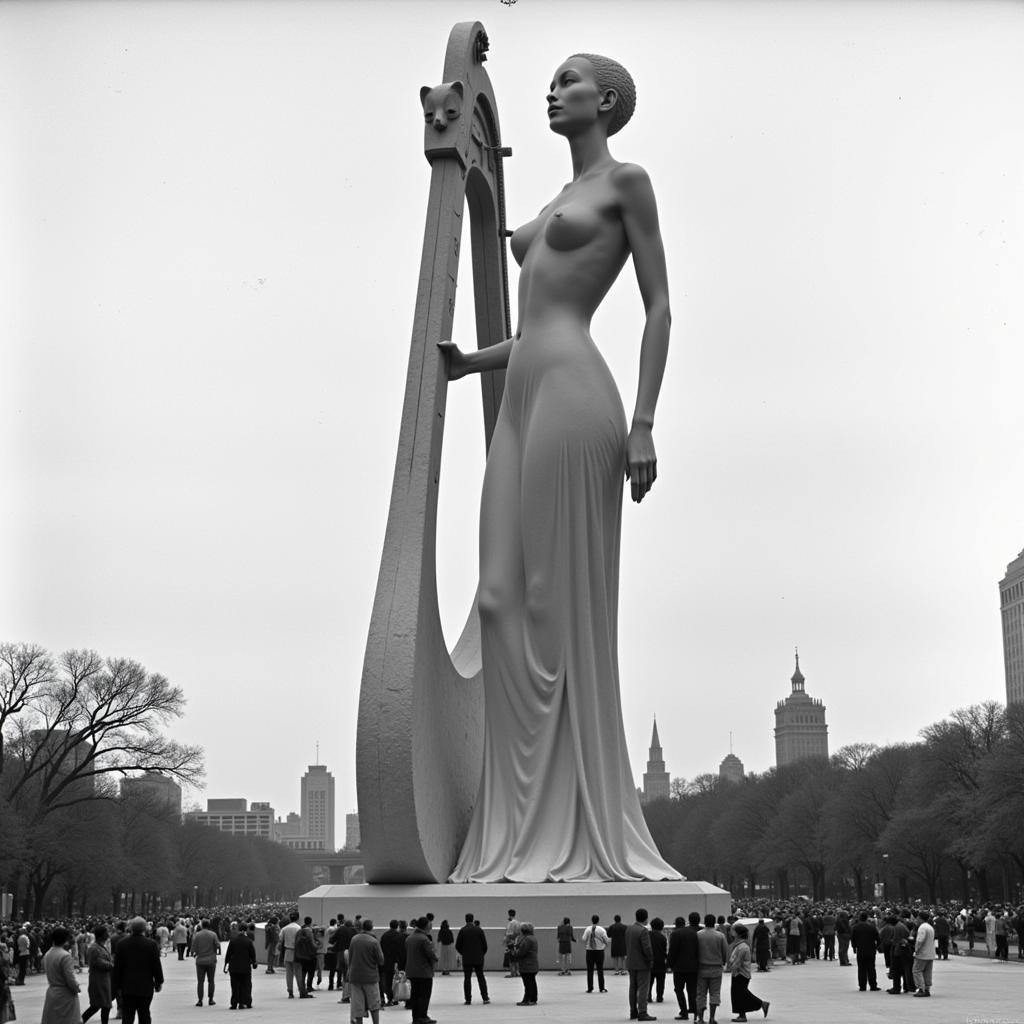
column 731, row 768
column 657, row 785
column 800, row 729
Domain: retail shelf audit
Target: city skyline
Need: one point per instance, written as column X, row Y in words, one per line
column 212, row 285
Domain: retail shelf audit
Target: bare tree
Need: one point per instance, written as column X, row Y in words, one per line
column 25, row 670
column 90, row 720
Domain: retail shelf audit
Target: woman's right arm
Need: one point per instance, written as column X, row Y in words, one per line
column 460, row 364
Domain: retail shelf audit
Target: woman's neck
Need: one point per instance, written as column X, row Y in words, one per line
column 588, row 150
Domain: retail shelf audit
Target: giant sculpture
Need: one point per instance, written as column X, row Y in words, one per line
column 506, row 760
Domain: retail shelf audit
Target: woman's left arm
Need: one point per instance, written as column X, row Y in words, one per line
column 643, row 234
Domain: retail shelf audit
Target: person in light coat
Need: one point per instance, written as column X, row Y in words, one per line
column 61, row 1003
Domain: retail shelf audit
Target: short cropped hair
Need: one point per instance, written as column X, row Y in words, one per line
column 610, row 74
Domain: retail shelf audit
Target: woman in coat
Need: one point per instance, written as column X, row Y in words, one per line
column 526, row 956
column 61, row 1003
column 739, row 967
column 101, row 966
column 446, row 942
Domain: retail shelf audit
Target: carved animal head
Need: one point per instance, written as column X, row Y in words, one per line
column 442, row 104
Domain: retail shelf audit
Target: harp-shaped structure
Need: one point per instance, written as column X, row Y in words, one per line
column 420, row 731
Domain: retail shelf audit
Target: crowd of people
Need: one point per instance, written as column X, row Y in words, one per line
column 122, row 959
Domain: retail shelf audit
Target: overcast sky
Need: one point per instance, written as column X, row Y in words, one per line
column 212, row 216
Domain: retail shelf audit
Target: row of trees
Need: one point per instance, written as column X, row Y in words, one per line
column 70, row 729
column 941, row 819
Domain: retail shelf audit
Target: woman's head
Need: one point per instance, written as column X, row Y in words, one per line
column 587, row 89
column 740, row 931
column 611, row 75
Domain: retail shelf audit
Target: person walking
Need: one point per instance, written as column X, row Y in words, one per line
column 526, row 956
column 471, row 945
column 713, row 952
column 595, row 941
column 179, row 938
column 365, row 959
column 101, row 968
column 137, row 973
column 743, row 999
column 205, row 950
column 239, row 961
column 60, row 1005
column 420, row 958
column 639, row 960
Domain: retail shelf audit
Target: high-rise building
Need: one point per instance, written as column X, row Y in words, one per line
column 352, row 832
column 657, row 784
column 317, row 806
column 66, row 755
column 232, row 816
column 800, row 729
column 1011, row 605
column 731, row 769
column 161, row 790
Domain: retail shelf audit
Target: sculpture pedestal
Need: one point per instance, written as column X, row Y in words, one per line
column 542, row 904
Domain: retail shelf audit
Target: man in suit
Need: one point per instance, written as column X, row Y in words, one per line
column 639, row 960
column 239, row 962
column 683, row 961
column 865, row 941
column 137, row 973
column 471, row 945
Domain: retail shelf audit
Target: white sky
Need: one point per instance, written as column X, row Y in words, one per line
column 211, row 226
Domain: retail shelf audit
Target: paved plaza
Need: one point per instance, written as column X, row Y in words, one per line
column 965, row 990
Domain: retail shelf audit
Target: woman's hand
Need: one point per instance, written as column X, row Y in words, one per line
column 641, row 461
column 457, row 360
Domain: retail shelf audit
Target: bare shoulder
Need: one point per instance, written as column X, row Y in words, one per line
column 630, row 179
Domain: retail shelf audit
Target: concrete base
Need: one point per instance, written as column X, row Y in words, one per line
column 544, row 905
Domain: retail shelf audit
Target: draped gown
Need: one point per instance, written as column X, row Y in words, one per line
column 556, row 800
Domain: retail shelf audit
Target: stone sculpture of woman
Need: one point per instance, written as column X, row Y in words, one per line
column 557, row 800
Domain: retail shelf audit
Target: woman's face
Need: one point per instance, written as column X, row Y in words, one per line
column 574, row 97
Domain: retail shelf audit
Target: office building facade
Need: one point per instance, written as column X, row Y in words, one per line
column 1011, row 610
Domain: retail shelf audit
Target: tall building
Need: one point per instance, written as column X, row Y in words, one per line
column 800, row 729
column 317, row 806
column 657, row 784
column 232, row 816
column 65, row 755
column 162, row 790
column 1011, row 604
column 731, row 769
column 352, row 832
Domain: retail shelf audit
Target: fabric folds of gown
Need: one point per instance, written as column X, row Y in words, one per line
column 556, row 800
